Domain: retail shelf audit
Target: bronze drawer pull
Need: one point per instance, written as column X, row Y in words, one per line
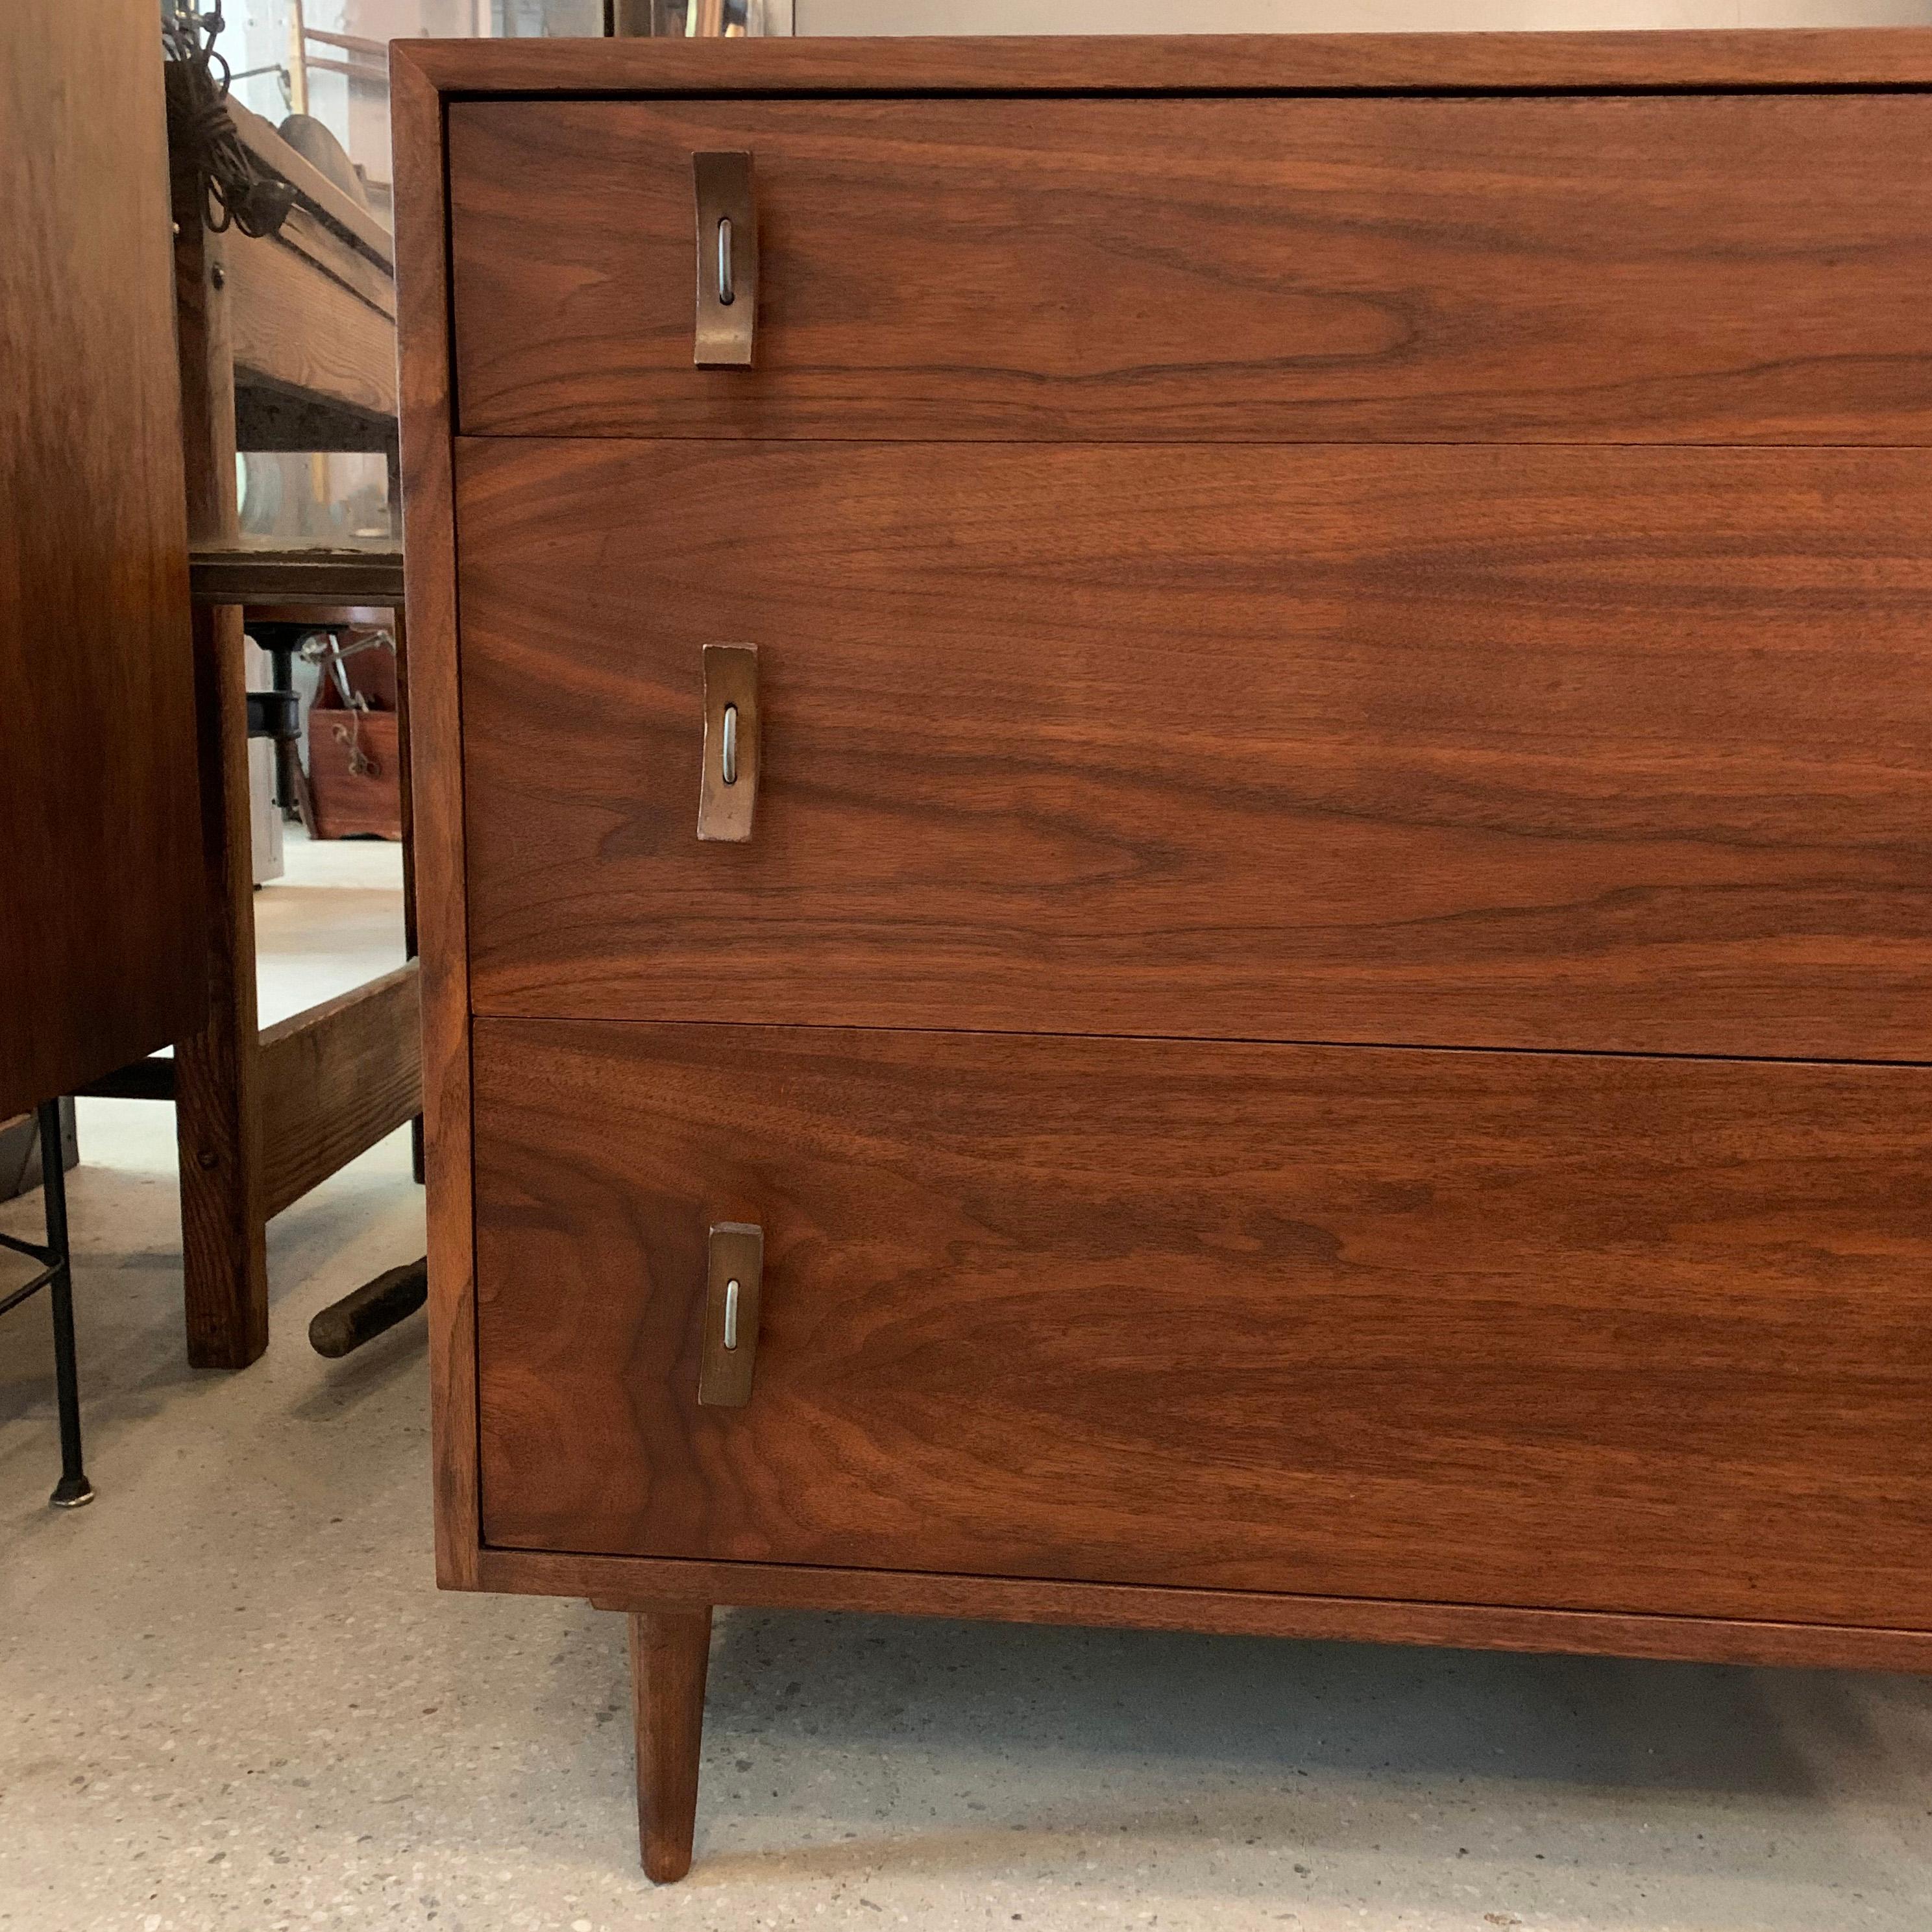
column 727, row 793
column 735, row 1264
column 728, row 260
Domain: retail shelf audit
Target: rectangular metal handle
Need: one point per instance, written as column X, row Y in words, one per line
column 734, row 1278
column 727, row 793
column 728, row 260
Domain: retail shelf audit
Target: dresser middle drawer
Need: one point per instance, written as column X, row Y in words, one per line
column 1595, row 748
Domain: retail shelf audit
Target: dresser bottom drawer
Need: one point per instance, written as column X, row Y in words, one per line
column 1550, row 1331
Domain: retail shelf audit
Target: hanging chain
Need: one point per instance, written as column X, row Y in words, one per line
column 234, row 191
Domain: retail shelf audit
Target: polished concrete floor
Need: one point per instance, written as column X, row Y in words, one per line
column 231, row 1697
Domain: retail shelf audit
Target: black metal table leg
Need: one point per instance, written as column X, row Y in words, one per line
column 282, row 667
column 73, row 1488
column 56, row 1276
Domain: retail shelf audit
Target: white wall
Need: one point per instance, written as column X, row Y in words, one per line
column 1333, row 16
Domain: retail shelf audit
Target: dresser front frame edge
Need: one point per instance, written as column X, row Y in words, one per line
column 424, row 320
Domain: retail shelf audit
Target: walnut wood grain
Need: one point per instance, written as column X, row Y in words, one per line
column 1694, row 269
column 1617, row 1335
column 1182, row 64
column 100, row 914
column 435, row 782
column 1608, row 749
column 671, row 1655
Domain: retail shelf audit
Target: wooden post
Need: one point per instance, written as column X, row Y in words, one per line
column 405, row 776
column 217, row 1125
column 670, row 1650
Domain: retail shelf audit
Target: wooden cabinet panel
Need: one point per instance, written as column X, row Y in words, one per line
column 1607, row 749
column 1559, row 1330
column 100, row 869
column 1700, row 268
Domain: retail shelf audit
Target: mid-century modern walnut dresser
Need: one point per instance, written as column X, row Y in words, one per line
column 1174, row 801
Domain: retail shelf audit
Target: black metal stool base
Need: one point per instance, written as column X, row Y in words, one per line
column 56, row 1276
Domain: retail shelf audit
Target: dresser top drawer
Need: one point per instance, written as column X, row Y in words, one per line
column 1698, row 268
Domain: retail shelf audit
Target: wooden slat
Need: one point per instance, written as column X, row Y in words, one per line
column 342, row 212
column 377, row 52
column 316, row 242
column 1181, row 64
column 242, row 574
column 436, row 790
column 303, row 330
column 335, row 1080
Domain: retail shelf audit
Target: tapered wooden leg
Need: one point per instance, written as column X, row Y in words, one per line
column 670, row 1651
